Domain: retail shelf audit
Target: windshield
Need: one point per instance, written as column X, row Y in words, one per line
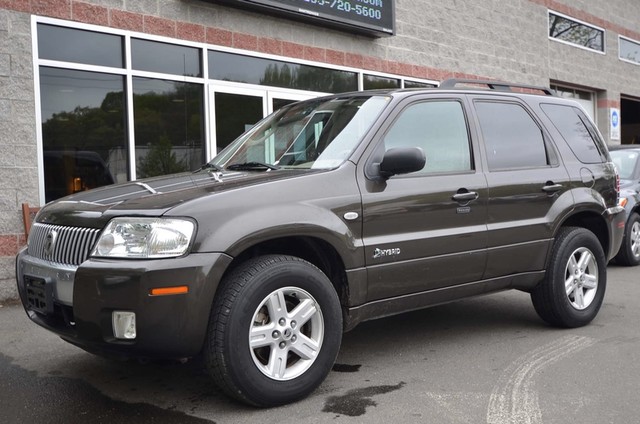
column 625, row 161
column 315, row 134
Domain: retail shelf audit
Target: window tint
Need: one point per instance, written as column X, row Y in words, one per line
column 165, row 58
column 574, row 127
column 84, row 133
column 255, row 70
column 417, row 84
column 511, row 137
column 168, row 123
column 440, row 129
column 79, row 46
column 372, row 82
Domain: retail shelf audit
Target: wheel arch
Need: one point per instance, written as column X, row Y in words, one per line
column 593, row 222
column 314, row 250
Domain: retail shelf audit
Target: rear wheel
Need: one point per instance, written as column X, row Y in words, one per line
column 274, row 332
column 629, row 253
column 573, row 288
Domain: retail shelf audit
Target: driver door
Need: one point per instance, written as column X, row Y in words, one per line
column 426, row 230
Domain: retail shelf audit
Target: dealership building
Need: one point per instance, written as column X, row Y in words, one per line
column 96, row 92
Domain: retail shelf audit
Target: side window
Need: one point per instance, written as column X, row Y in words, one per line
column 576, row 129
column 512, row 139
column 440, row 129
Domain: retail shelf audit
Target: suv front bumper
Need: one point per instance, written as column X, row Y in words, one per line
column 77, row 303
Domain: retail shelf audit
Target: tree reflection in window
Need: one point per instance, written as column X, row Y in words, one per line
column 577, row 33
column 168, row 124
column 253, row 70
column 83, row 130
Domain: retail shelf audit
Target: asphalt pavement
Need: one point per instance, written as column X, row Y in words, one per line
column 483, row 360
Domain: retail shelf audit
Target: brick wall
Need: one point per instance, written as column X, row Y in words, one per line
column 18, row 163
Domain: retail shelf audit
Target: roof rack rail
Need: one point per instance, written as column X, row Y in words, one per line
column 495, row 85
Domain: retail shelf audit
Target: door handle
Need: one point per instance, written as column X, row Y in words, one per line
column 550, row 187
column 465, row 197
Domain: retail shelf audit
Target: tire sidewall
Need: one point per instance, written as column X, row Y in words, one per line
column 569, row 315
column 256, row 386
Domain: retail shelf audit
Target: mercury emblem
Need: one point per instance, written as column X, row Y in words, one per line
column 49, row 242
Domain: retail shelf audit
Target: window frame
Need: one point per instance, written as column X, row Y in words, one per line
column 632, row 41
column 378, row 150
column 551, row 151
column 570, row 18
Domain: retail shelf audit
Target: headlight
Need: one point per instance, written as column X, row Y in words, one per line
column 144, row 238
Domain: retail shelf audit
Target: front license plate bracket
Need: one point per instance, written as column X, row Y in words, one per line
column 39, row 294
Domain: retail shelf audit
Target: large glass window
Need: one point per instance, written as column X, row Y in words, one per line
column 165, row 58
column 418, row 84
column 574, row 32
column 168, row 123
column 512, row 139
column 79, row 46
column 106, row 119
column 629, row 50
column 440, row 129
column 373, row 82
column 573, row 125
column 83, row 130
column 254, row 70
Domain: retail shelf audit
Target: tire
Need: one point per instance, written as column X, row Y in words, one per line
column 303, row 337
column 629, row 253
column 572, row 302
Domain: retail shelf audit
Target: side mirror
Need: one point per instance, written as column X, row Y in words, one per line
column 402, row 160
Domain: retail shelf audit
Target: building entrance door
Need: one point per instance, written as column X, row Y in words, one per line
column 630, row 125
column 236, row 109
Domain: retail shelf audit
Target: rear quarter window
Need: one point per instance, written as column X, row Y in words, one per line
column 577, row 131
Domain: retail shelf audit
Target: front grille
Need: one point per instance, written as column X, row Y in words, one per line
column 64, row 245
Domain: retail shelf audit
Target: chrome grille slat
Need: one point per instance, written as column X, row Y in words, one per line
column 72, row 246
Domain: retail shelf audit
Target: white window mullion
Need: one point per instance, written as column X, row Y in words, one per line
column 208, row 111
column 130, row 117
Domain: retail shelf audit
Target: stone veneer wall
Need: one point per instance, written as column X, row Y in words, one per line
column 435, row 39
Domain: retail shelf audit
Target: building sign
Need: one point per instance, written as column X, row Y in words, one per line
column 614, row 116
column 371, row 17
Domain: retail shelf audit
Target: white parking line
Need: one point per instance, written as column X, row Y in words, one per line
column 513, row 399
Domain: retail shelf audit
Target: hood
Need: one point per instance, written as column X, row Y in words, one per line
column 150, row 197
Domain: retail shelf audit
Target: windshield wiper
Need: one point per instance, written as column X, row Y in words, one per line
column 250, row 166
column 209, row 166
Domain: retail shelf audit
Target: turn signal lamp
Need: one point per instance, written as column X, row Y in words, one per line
column 164, row 291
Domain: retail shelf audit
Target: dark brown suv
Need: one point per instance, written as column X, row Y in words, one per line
column 327, row 213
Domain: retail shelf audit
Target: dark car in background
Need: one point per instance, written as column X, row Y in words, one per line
column 627, row 160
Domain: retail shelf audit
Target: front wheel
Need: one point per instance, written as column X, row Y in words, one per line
column 274, row 332
column 629, row 253
column 573, row 288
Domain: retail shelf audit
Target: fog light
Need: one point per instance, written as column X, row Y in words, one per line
column 124, row 324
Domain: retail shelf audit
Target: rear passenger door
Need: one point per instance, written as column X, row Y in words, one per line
column 527, row 182
column 425, row 230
